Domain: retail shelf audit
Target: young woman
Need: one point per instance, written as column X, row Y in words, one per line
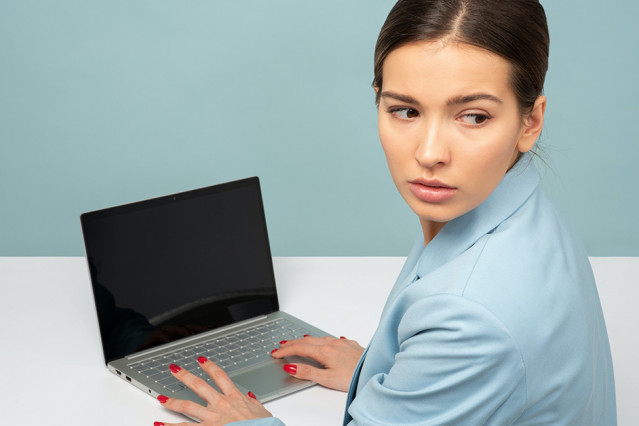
column 495, row 317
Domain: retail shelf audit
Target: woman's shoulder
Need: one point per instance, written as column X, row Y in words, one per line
column 533, row 256
column 535, row 248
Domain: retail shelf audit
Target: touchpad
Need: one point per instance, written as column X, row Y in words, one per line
column 265, row 380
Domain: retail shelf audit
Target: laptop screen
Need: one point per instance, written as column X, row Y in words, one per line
column 171, row 267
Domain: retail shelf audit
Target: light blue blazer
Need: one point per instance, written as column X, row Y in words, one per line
column 496, row 321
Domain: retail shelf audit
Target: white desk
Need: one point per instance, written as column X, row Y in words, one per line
column 51, row 360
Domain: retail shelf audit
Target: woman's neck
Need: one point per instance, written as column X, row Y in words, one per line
column 430, row 229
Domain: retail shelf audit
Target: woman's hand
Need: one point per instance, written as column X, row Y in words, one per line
column 229, row 406
column 338, row 356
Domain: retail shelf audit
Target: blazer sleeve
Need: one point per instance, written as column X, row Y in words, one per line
column 457, row 364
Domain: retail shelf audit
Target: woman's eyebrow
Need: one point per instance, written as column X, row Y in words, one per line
column 458, row 100
column 402, row 98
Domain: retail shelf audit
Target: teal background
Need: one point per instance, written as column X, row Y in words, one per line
column 109, row 102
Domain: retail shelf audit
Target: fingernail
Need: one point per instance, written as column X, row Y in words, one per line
column 274, row 350
column 342, row 337
column 252, row 395
column 290, row 368
column 163, row 399
column 307, row 335
column 202, row 360
column 175, row 368
column 283, row 341
column 158, row 424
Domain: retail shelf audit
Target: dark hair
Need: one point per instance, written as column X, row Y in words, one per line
column 516, row 30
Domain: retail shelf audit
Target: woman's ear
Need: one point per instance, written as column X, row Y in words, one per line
column 532, row 125
column 376, row 95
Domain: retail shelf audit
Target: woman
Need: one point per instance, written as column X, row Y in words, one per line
column 495, row 317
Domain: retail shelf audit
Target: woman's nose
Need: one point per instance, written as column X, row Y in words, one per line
column 432, row 148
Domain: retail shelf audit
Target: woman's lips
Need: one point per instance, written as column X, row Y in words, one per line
column 432, row 192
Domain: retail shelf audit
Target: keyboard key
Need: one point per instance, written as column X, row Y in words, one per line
column 160, row 376
column 139, row 367
column 168, row 381
column 175, row 387
column 226, row 363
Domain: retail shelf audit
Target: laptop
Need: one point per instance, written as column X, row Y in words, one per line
column 188, row 275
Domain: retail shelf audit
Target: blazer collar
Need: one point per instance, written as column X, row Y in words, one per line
column 461, row 233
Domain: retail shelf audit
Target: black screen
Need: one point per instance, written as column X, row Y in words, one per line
column 170, row 267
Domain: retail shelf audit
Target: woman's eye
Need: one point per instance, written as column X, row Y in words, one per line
column 404, row 113
column 474, row 119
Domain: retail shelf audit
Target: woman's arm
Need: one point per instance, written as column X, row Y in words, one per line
column 449, row 361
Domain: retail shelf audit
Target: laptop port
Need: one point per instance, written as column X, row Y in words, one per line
column 128, row 378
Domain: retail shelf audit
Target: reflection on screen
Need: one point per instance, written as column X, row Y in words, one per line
column 168, row 268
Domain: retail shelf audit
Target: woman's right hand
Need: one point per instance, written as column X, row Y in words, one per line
column 338, row 356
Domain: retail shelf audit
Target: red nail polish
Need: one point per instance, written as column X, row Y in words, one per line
column 283, row 341
column 342, row 337
column 158, row 424
column 202, row 360
column 163, row 399
column 274, row 350
column 290, row 368
column 307, row 335
column 175, row 368
column 251, row 395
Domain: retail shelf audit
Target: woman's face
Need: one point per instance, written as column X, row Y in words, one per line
column 450, row 126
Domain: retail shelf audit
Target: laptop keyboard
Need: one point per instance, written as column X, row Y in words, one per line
column 244, row 348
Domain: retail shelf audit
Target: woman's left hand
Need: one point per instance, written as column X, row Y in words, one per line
column 228, row 406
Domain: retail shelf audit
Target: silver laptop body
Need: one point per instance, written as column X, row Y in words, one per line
column 189, row 275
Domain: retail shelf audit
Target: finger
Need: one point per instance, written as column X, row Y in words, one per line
column 253, row 399
column 188, row 408
column 219, row 376
column 323, row 341
column 195, row 383
column 306, row 372
column 300, row 348
column 309, row 339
